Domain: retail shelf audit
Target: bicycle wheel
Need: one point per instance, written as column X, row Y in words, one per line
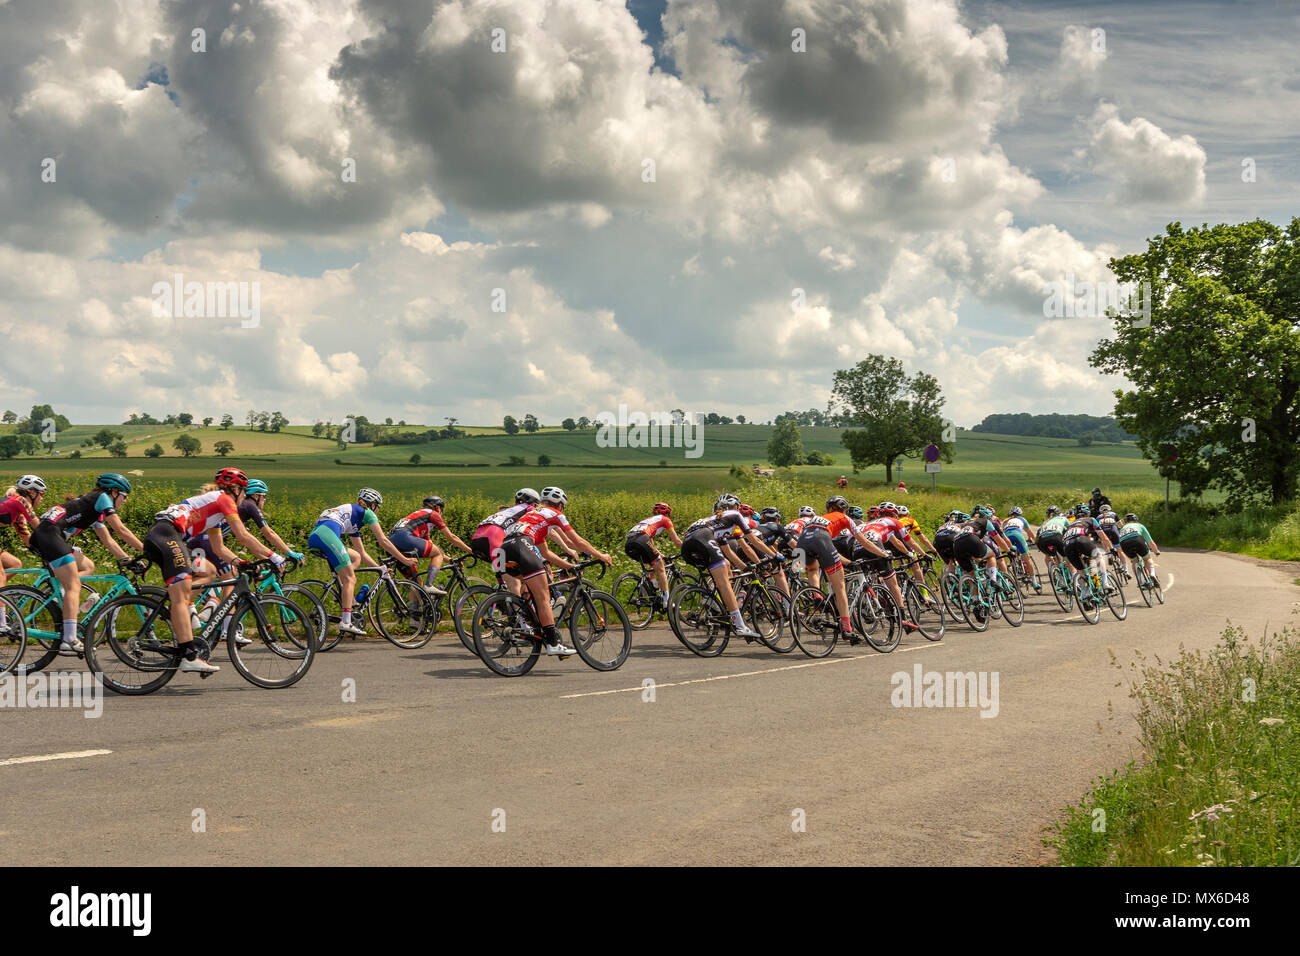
column 815, row 623
column 1143, row 583
column 311, row 607
column 403, row 612
column 130, row 645
column 698, row 619
column 1033, row 579
column 1061, row 589
column 467, row 603
column 638, row 596
column 764, row 616
column 783, row 642
column 42, row 618
column 932, row 577
column 1157, row 588
column 600, row 630
column 499, row 639
column 1115, row 599
column 1089, row 608
column 276, row 655
column 925, row 610
column 972, row 603
column 13, row 636
column 328, row 595
column 878, row 602
column 949, row 583
column 1012, row 604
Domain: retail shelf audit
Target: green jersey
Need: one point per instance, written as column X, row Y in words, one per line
column 1135, row 529
column 1054, row 525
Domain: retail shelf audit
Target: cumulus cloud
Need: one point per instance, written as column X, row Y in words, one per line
column 1143, row 162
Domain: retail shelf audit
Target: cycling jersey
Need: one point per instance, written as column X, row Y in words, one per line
column 421, row 523
column 1054, row 525
column 909, row 524
column 249, row 513
column 771, row 532
column 1134, row 530
column 199, row 513
column 501, row 519
column 1015, row 525
column 832, row 522
column 535, row 524
column 796, row 526
column 87, row 511
column 651, row 526
column 1082, row 526
column 718, row 527
column 17, row 511
column 347, row 519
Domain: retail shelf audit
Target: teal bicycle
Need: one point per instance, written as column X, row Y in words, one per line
column 982, row 600
column 271, row 581
column 39, row 606
column 1089, row 595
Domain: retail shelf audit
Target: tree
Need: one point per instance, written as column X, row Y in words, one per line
column 263, row 420
column 896, row 415
column 278, row 421
column 543, row 461
column 187, row 445
column 317, row 428
column 154, row 451
column 584, row 422
column 118, row 450
column 185, row 418
column 207, row 421
column 226, row 421
column 415, row 459
column 740, row 419
column 9, row 417
column 510, row 425
column 785, row 448
column 1216, row 373
column 251, row 418
column 568, row 424
column 29, row 443
column 531, row 424
column 517, row 460
column 223, row 448
column 8, row 446
column 106, row 437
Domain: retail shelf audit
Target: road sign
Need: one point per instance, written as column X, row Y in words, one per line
column 932, row 468
column 931, row 453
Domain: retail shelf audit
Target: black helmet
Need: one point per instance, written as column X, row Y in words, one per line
column 1130, row 517
column 770, row 514
column 837, row 503
column 433, row 501
column 1096, row 491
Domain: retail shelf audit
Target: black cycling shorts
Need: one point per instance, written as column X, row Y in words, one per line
column 1050, row 543
column 523, row 559
column 819, row 548
column 164, row 546
column 1135, row 547
column 702, row 552
column 48, row 542
column 967, row 549
column 1112, row 532
column 1079, row 550
column 943, row 544
column 638, row 548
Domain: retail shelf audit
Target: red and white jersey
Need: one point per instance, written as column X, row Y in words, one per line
column 193, row 516
column 795, row 527
column 536, row 524
column 652, row 526
column 887, row 527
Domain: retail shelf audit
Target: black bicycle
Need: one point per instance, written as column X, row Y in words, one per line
column 400, row 609
column 639, row 592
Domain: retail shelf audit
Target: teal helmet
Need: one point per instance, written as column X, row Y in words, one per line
column 256, row 486
column 112, row 481
column 855, row 512
column 1083, row 511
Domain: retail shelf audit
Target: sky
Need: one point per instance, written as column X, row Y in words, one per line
column 475, row 209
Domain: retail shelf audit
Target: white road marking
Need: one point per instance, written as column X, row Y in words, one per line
column 770, row 670
column 70, row 755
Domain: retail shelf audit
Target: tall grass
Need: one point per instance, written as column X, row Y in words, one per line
column 1217, row 782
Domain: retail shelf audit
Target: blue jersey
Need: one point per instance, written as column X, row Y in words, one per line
column 347, row 520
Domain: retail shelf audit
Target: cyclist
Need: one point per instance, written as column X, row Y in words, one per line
column 1083, row 537
column 817, row 542
column 250, row 512
column 914, row 528
column 980, row 528
column 887, row 530
column 946, row 534
column 995, row 539
column 639, row 545
column 1051, row 535
column 50, row 541
column 1109, row 522
column 702, row 548
column 347, row 520
column 525, row 548
column 18, row 510
column 413, row 537
column 1019, row 535
column 1136, row 542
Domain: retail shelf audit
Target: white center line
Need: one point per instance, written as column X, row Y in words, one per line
column 70, row 755
column 770, row 670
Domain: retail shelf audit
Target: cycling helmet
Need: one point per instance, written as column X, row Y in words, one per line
column 1130, row 517
column 854, row 512
column 889, row 510
column 1053, row 511
column 370, row 498
column 726, row 501
column 1083, row 511
column 1016, row 511
column 984, row 511
column 256, row 486
column 433, row 501
column 902, row 511
column 554, row 495
column 873, row 511
column 111, row 481
column 29, row 483
column 960, row 516
column 745, row 510
column 837, row 503
column 806, row 511
column 1096, row 491
column 889, row 504
column 661, row 508
column 231, row 476
column 771, row 514
column 527, row 496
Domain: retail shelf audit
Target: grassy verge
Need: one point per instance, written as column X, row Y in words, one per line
column 1217, row 782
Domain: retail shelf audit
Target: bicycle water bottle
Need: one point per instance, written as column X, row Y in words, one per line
column 362, row 594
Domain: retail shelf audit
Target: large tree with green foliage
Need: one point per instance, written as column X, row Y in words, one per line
column 785, row 447
column 894, row 414
column 1216, row 373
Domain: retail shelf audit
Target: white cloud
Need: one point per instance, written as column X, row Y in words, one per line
column 1143, row 162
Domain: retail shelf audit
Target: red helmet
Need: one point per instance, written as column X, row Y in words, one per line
column 873, row 511
column 661, row 508
column 746, row 510
column 231, row 476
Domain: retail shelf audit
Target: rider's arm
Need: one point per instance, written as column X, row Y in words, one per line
column 275, row 540
column 244, row 537
column 870, row 545
column 119, row 528
column 114, row 548
column 553, row 558
column 378, row 531
column 578, row 541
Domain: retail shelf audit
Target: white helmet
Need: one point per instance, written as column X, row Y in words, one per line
column 807, row 512
column 370, row 497
column 527, row 496
column 555, row 495
column 726, row 500
column 30, row 483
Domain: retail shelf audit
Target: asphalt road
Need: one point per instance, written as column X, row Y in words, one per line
column 440, row 761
